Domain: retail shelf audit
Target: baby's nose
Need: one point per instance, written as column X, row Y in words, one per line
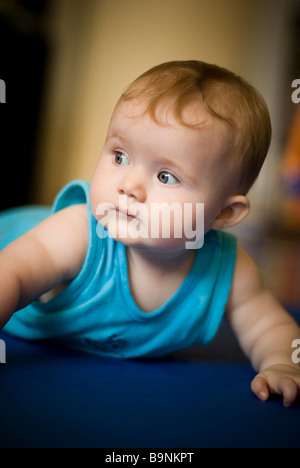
column 133, row 186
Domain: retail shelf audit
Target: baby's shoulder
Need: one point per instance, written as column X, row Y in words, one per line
column 65, row 235
column 71, row 217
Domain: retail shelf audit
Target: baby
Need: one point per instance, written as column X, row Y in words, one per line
column 125, row 278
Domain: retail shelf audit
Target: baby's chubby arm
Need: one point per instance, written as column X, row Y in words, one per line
column 52, row 252
column 265, row 332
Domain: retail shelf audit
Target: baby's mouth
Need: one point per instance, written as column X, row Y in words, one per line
column 125, row 212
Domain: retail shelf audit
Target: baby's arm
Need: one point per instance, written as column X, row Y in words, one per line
column 265, row 332
column 49, row 254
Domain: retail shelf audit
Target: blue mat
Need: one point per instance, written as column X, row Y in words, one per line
column 201, row 397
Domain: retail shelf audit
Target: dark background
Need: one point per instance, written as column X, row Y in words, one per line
column 23, row 57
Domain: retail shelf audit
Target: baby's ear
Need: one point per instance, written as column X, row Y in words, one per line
column 235, row 209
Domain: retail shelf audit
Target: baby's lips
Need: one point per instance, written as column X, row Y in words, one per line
column 125, row 212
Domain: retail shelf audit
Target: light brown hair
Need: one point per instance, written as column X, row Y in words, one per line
column 226, row 97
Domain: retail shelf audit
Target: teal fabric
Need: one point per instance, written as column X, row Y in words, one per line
column 96, row 312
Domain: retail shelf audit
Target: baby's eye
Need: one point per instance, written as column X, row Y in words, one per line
column 167, row 178
column 121, row 159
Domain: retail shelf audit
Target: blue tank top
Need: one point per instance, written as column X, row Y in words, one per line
column 96, row 312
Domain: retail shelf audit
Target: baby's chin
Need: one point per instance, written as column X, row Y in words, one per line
column 152, row 245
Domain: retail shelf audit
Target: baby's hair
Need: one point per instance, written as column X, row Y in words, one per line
column 226, row 97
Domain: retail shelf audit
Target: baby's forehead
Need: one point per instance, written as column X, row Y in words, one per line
column 199, row 134
column 194, row 118
column 167, row 112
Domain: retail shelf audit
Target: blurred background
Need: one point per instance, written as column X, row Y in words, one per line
column 65, row 63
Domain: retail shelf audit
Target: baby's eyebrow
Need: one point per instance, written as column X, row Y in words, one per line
column 115, row 136
column 181, row 169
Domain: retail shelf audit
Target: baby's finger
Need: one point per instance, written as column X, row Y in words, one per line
column 259, row 386
column 289, row 389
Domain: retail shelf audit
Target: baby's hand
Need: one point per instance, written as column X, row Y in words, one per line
column 278, row 379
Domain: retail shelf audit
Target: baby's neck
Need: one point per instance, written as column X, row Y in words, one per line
column 155, row 276
column 161, row 262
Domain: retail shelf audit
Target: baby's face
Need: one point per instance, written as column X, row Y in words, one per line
column 144, row 165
